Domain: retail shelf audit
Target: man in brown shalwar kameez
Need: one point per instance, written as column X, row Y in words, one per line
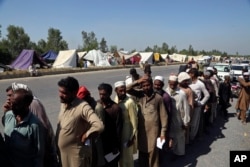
column 77, row 125
column 244, row 97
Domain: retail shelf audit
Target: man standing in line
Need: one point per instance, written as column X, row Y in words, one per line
column 158, row 88
column 109, row 141
column 225, row 94
column 24, row 133
column 129, row 130
column 77, row 125
column 152, row 121
column 200, row 90
column 180, row 116
column 37, row 108
column 184, row 81
column 244, row 97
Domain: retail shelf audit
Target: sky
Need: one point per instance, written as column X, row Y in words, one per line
column 223, row 25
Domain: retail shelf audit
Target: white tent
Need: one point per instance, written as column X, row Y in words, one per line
column 81, row 54
column 146, row 56
column 99, row 58
column 66, row 58
column 164, row 56
column 178, row 57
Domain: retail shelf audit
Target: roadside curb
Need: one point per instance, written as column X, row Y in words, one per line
column 52, row 71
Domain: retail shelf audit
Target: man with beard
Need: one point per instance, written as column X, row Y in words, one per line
column 152, row 121
column 184, row 80
column 129, row 130
column 24, row 133
column 77, row 125
column 109, row 142
column 158, row 88
column 180, row 116
column 244, row 97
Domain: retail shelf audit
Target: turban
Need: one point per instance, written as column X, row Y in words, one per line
column 207, row 73
column 160, row 78
column 183, row 76
column 172, row 78
column 15, row 86
column 246, row 73
column 119, row 83
column 210, row 68
column 82, row 92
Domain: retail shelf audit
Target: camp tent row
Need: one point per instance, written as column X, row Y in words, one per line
column 64, row 59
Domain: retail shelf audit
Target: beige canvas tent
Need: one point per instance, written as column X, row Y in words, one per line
column 65, row 59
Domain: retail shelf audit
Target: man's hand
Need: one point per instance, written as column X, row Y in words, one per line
column 83, row 138
column 162, row 138
column 7, row 106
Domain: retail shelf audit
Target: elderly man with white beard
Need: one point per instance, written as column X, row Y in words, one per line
column 180, row 116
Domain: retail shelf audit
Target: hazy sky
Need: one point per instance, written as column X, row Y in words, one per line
column 135, row 24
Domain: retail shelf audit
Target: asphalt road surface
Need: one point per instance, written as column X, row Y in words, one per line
column 212, row 150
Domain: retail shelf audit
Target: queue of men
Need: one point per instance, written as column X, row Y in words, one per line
column 108, row 132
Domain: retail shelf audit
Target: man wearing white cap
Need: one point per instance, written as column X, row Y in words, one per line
column 129, row 129
column 180, row 116
column 244, row 97
column 200, row 90
column 158, row 88
column 184, row 80
column 152, row 121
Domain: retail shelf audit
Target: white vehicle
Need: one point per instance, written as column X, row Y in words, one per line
column 236, row 71
column 222, row 69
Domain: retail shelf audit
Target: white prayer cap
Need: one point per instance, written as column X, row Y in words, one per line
column 160, row 78
column 15, row 86
column 183, row 76
column 246, row 73
column 210, row 68
column 119, row 83
column 172, row 78
column 207, row 73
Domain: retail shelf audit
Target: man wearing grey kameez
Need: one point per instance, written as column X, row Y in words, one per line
column 180, row 116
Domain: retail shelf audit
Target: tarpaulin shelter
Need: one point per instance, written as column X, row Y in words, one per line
column 146, row 57
column 65, row 59
column 49, row 56
column 97, row 57
column 27, row 58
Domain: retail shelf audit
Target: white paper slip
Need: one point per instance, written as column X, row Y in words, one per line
column 159, row 143
column 110, row 156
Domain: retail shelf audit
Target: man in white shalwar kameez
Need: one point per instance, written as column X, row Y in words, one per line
column 129, row 130
column 180, row 116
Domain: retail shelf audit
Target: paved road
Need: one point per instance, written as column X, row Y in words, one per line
column 211, row 151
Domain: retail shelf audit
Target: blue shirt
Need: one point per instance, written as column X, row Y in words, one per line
column 24, row 141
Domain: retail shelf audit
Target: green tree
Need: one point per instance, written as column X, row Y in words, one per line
column 113, row 48
column 164, row 48
column 173, row 49
column 16, row 41
column 55, row 41
column 148, row 49
column 41, row 46
column 89, row 41
column 103, row 45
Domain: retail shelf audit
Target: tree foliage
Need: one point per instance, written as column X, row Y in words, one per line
column 16, row 40
column 55, row 41
column 103, row 45
column 89, row 41
column 113, row 48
